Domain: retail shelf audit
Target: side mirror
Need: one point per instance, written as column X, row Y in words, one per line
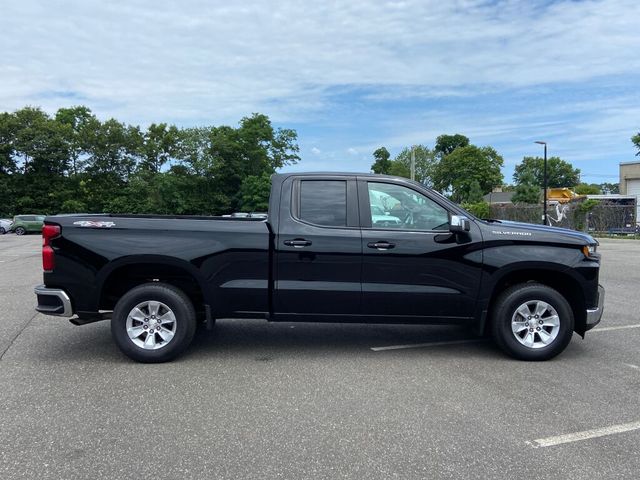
column 458, row 224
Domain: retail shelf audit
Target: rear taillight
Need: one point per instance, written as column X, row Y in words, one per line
column 49, row 232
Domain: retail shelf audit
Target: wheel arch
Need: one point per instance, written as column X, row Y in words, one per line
column 124, row 274
column 554, row 276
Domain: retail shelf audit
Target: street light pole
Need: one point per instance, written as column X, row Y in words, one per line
column 544, row 183
column 413, row 162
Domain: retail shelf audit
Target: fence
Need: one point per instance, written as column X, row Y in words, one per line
column 603, row 219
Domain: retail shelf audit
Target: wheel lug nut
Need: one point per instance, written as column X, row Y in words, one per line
column 151, row 331
column 526, row 324
column 538, row 328
column 540, row 322
column 529, row 317
column 531, row 330
column 145, row 326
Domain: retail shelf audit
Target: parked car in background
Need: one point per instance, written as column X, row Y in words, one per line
column 5, row 225
column 27, row 223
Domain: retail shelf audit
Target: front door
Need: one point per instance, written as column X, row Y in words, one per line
column 412, row 266
column 318, row 249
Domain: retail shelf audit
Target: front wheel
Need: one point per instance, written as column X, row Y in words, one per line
column 20, row 231
column 153, row 323
column 2, row 231
column 531, row 321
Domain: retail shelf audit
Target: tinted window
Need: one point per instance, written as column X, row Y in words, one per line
column 27, row 218
column 395, row 206
column 40, row 218
column 324, row 202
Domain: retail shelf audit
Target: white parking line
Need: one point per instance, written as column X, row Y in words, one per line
column 476, row 340
column 429, row 344
column 586, row 435
column 619, row 327
column 630, row 365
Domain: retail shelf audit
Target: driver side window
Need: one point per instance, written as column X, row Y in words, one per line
column 398, row 207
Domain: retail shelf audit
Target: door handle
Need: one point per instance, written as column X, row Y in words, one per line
column 297, row 243
column 381, row 245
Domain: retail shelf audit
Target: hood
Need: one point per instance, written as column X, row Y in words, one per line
column 504, row 228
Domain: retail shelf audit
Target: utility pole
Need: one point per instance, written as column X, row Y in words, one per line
column 544, row 182
column 413, row 162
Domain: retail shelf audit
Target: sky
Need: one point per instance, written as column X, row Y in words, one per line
column 348, row 76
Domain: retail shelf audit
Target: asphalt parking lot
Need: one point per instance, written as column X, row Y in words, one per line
column 260, row 400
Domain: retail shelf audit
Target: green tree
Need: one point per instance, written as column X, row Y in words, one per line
column 587, row 189
column 74, row 162
column 475, row 192
column 40, row 152
column 195, row 151
column 425, row 164
column 76, row 124
column 381, row 163
column 254, row 193
column 479, row 209
column 559, row 172
column 112, row 158
column 636, row 141
column 399, row 169
column 254, row 148
column 610, row 187
column 446, row 144
column 527, row 191
column 457, row 171
column 8, row 166
column 160, row 143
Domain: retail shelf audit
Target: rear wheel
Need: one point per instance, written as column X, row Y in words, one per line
column 20, row 231
column 532, row 322
column 2, row 231
column 153, row 323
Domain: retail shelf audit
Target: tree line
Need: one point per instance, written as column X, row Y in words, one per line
column 466, row 172
column 74, row 162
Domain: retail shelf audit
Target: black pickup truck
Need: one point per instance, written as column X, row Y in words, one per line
column 334, row 248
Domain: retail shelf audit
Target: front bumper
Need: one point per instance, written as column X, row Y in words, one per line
column 595, row 314
column 53, row 301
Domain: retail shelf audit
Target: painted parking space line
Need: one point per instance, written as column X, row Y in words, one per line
column 630, row 365
column 428, row 344
column 619, row 327
column 585, row 435
column 477, row 340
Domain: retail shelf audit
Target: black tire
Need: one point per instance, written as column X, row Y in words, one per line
column 184, row 327
column 531, row 294
column 2, row 231
column 20, row 231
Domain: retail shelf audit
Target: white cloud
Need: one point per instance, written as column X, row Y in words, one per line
column 211, row 62
column 316, row 150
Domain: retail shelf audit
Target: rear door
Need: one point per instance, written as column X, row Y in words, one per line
column 318, row 248
column 36, row 224
column 27, row 222
column 412, row 265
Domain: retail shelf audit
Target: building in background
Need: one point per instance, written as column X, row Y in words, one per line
column 630, row 181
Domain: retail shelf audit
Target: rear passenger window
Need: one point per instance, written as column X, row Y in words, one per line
column 324, row 202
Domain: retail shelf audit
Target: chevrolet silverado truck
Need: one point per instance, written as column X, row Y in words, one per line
column 334, row 248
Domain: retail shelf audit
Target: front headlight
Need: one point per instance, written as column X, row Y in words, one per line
column 590, row 250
